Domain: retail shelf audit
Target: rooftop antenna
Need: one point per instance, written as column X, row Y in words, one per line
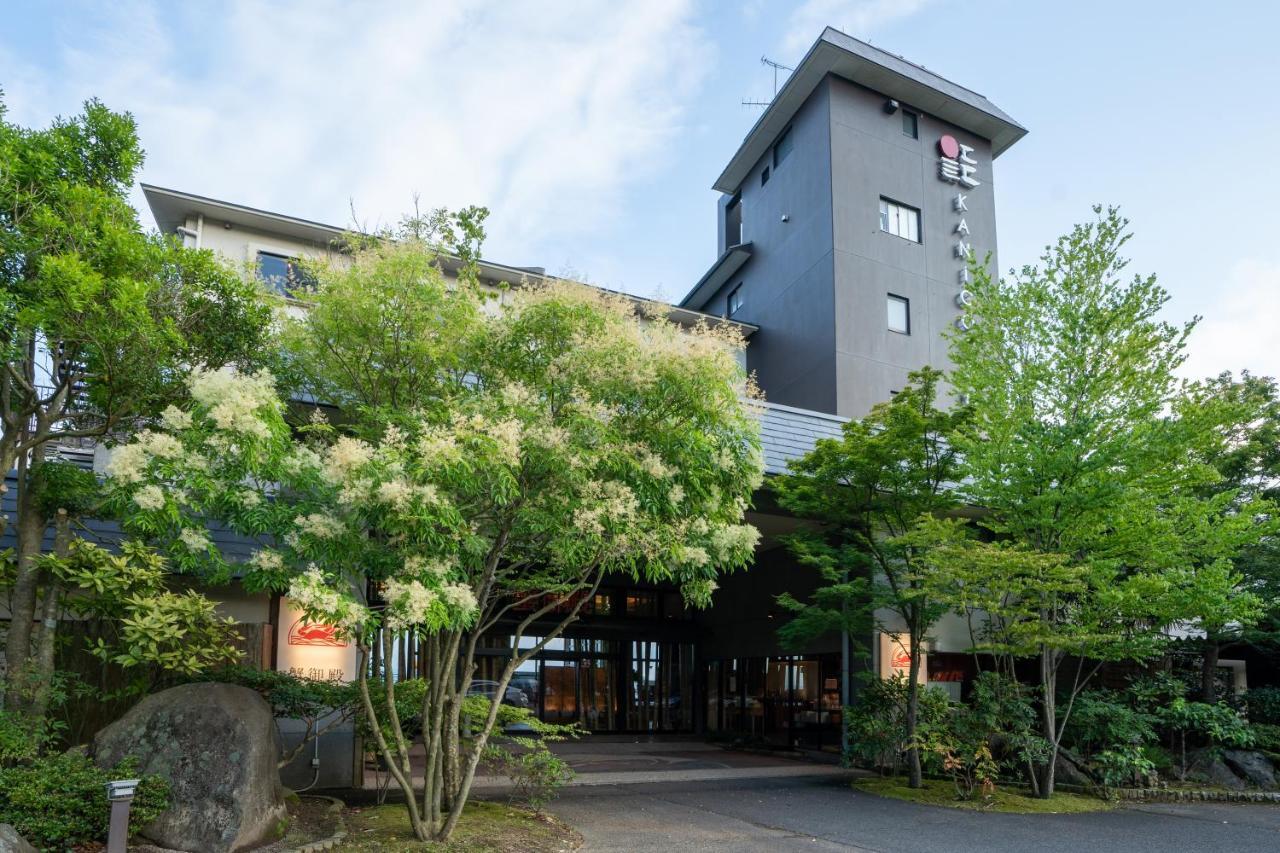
column 776, row 66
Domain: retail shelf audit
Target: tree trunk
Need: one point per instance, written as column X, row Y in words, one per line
column 402, row 771
column 1209, row 670
column 30, row 529
column 46, row 640
column 1049, row 722
column 915, row 774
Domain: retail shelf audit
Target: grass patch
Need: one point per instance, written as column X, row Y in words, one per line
column 940, row 792
column 484, row 828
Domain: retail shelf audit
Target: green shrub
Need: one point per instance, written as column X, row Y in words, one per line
column 1266, row 737
column 58, row 801
column 1106, row 721
column 876, row 723
column 537, row 775
column 1262, row 704
column 22, row 737
column 999, row 711
column 1124, row 766
column 518, row 747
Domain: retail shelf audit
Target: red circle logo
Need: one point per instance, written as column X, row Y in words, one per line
column 949, row 147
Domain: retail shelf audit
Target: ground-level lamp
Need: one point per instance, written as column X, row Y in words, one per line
column 120, row 793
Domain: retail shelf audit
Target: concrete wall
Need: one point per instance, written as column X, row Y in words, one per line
column 871, row 158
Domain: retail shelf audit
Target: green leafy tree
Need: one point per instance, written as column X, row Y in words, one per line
column 869, row 491
column 99, row 325
column 1088, row 456
column 1247, row 412
column 545, row 447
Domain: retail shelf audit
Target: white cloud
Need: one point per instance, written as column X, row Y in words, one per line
column 1241, row 329
column 858, row 18
column 543, row 112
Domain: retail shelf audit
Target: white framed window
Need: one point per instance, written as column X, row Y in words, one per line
column 735, row 300
column 900, row 220
column 899, row 314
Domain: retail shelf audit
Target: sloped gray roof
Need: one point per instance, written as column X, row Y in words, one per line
column 787, row 433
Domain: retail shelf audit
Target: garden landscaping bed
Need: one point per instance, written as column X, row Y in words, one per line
column 485, row 828
column 941, row 792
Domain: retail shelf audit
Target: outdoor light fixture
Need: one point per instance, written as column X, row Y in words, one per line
column 891, row 106
column 120, row 793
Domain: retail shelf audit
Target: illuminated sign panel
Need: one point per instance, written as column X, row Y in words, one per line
column 895, row 659
column 310, row 650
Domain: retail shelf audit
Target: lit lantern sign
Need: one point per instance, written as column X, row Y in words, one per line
column 956, row 165
column 310, row 650
column 895, row 659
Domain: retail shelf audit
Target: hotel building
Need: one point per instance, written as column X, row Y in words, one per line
column 846, row 219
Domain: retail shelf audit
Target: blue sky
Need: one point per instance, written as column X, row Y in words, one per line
column 594, row 129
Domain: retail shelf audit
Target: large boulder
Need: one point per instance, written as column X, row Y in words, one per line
column 12, row 842
column 1254, row 767
column 1070, row 771
column 1206, row 766
column 217, row 745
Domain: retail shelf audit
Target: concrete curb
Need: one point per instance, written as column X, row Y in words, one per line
column 1172, row 795
column 336, row 806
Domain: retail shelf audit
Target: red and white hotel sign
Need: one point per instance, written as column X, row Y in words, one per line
column 895, row 659
column 311, row 650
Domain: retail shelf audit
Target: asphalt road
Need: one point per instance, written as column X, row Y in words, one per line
column 822, row 814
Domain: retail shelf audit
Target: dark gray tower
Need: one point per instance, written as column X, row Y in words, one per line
column 847, row 214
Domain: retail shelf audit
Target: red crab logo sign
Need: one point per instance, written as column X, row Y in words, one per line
column 304, row 633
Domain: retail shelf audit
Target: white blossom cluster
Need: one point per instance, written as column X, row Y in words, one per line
column 319, row 525
column 416, row 566
column 313, row 593
column 235, row 400
column 194, row 539
column 608, row 502
column 149, row 497
column 408, row 603
column 129, row 462
column 267, row 560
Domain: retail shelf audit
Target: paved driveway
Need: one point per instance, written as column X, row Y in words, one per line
column 821, row 813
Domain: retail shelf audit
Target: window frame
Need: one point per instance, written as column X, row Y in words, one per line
column 730, row 309
column 915, row 124
column 785, row 136
column 905, row 302
column 886, row 217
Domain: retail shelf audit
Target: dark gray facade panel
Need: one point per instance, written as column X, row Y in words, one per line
column 745, row 617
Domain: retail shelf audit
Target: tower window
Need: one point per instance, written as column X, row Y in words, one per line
column 900, row 220
column 899, row 314
column 782, row 147
column 910, row 124
column 764, row 176
column 735, row 300
column 733, row 221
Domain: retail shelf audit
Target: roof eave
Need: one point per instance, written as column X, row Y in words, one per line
column 854, row 60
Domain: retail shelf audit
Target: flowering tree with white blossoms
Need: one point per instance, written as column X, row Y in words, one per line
column 560, row 440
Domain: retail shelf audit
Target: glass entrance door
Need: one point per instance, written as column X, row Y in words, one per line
column 659, row 688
